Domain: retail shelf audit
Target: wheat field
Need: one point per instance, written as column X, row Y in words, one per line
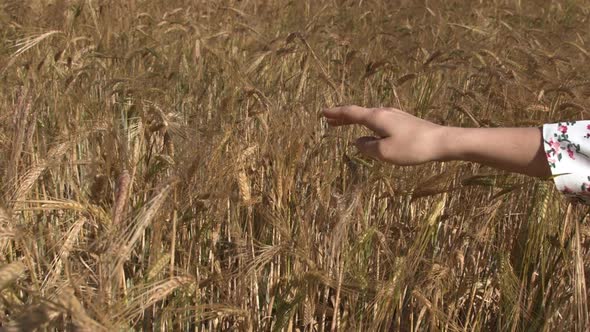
column 165, row 166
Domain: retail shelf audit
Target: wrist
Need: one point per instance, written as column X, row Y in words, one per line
column 447, row 140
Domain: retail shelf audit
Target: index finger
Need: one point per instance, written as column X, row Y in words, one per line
column 374, row 119
column 345, row 115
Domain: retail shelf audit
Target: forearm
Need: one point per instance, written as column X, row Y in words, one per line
column 512, row 149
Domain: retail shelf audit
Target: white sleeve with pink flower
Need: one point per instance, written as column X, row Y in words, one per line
column 567, row 146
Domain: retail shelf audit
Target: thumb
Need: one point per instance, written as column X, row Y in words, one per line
column 371, row 146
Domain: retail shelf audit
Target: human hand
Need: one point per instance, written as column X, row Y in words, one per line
column 401, row 138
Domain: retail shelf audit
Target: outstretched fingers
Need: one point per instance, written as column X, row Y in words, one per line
column 345, row 115
column 377, row 120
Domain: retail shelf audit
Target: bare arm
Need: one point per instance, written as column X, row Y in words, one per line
column 403, row 139
column 517, row 150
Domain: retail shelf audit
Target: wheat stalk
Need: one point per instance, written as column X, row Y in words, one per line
column 11, row 272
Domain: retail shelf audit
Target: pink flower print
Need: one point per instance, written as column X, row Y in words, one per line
column 588, row 127
column 555, row 145
column 563, row 129
column 570, row 153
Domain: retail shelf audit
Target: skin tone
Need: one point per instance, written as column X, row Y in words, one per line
column 403, row 139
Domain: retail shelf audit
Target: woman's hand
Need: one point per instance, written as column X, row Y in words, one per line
column 401, row 139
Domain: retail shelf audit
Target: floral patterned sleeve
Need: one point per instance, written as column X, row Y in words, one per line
column 567, row 146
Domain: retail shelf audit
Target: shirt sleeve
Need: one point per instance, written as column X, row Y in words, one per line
column 567, row 147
